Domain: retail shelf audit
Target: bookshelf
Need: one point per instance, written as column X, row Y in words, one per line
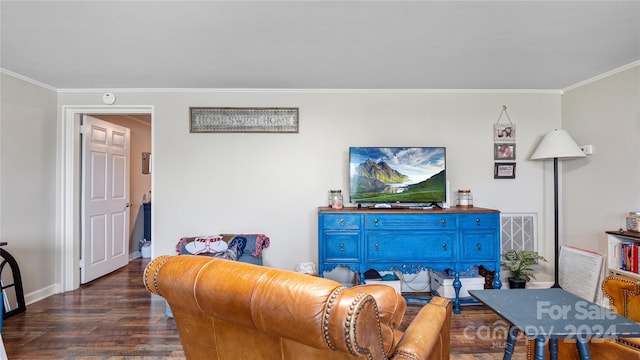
column 615, row 240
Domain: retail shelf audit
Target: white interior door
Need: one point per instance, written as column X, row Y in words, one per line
column 105, row 198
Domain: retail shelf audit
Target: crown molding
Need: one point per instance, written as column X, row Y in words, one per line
column 312, row 91
column 27, row 79
column 602, row 76
column 317, row 91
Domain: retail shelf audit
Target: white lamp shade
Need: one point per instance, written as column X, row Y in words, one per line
column 557, row 144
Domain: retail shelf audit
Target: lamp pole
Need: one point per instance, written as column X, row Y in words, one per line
column 555, row 220
column 556, row 144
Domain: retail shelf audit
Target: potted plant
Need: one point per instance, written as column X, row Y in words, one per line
column 519, row 263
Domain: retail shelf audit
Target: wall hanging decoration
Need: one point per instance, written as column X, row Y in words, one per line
column 504, row 147
column 504, row 132
column 230, row 119
column 504, row 151
column 504, row 170
column 146, row 163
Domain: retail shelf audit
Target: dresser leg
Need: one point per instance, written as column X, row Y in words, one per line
column 457, row 285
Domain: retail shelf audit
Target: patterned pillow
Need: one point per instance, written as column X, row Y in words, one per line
column 254, row 243
column 210, row 246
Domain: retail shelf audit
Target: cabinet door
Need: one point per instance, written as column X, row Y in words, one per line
column 410, row 247
column 478, row 245
column 341, row 246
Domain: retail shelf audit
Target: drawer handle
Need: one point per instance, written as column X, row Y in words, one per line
column 341, row 222
column 479, row 246
column 376, row 222
column 341, row 246
column 377, row 247
column 443, row 222
column 478, row 221
column 444, row 246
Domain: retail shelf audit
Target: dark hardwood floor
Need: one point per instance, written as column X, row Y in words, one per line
column 114, row 317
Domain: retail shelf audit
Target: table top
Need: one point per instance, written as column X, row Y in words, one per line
column 556, row 313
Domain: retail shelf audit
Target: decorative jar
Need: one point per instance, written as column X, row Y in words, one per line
column 464, row 198
column 335, row 199
column 633, row 221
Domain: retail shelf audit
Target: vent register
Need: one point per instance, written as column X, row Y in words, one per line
column 518, row 231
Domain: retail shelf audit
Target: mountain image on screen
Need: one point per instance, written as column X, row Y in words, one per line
column 409, row 175
column 380, row 173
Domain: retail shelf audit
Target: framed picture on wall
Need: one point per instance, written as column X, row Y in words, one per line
column 504, row 171
column 504, row 132
column 504, row 151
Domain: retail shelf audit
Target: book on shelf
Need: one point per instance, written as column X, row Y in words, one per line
column 629, row 257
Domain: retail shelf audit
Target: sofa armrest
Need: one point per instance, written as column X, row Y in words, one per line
column 427, row 337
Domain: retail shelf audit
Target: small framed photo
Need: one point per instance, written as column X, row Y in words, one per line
column 504, row 171
column 504, row 151
column 504, row 132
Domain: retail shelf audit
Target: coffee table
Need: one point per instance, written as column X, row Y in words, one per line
column 552, row 314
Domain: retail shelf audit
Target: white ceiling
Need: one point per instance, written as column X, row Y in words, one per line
column 317, row 44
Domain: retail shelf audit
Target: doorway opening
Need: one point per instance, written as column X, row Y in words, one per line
column 69, row 186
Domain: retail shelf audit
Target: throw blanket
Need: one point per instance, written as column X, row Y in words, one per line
column 227, row 246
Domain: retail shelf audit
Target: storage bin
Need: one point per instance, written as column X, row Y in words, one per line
column 145, row 249
column 442, row 285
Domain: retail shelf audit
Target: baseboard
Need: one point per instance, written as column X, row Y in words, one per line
column 533, row 284
column 43, row 293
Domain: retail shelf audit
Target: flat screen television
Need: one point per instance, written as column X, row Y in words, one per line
column 411, row 176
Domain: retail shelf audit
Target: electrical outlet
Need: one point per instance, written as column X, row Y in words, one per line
column 587, row 149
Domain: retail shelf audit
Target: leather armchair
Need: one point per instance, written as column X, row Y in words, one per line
column 232, row 310
column 623, row 293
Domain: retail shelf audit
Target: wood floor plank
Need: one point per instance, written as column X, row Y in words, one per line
column 115, row 318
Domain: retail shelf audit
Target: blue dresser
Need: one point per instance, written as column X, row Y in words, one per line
column 410, row 240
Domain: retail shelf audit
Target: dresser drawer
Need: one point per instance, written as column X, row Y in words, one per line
column 341, row 221
column 410, row 221
column 410, row 247
column 479, row 221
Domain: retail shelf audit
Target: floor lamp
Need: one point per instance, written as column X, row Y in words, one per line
column 556, row 145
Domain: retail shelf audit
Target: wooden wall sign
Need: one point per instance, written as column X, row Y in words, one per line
column 253, row 120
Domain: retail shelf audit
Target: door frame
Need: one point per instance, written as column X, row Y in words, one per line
column 68, row 160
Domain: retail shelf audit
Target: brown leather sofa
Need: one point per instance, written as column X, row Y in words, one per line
column 624, row 298
column 231, row 310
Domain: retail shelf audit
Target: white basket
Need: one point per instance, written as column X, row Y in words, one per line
column 442, row 284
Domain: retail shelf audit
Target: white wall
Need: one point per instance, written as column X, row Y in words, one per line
column 28, row 181
column 601, row 190
column 273, row 183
